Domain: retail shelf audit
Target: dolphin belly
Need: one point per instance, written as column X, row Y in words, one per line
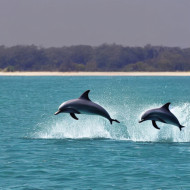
column 93, row 110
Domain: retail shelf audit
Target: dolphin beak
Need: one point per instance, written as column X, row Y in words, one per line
column 141, row 120
column 57, row 112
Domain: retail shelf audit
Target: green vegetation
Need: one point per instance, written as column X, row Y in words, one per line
column 87, row 58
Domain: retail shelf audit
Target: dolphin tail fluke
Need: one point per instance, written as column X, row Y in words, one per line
column 111, row 120
column 181, row 126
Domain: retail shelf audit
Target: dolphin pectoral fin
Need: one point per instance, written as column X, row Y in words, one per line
column 73, row 116
column 154, row 124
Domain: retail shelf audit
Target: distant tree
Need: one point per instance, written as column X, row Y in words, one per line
column 106, row 57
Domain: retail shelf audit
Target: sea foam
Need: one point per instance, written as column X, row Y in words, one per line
column 90, row 127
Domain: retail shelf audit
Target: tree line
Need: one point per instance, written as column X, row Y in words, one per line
column 106, row 57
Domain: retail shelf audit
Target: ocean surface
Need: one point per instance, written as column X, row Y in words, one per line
column 39, row 150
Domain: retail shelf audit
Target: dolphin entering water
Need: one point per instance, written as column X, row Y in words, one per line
column 161, row 114
column 83, row 105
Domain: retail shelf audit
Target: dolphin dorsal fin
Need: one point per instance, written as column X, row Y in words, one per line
column 85, row 95
column 166, row 106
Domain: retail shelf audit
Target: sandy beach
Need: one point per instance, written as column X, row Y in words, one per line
column 94, row 73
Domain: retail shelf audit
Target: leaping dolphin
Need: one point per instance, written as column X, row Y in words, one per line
column 161, row 114
column 83, row 105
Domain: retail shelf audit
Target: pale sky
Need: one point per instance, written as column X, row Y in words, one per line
column 60, row 23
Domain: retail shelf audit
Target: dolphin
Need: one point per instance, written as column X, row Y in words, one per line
column 161, row 114
column 83, row 105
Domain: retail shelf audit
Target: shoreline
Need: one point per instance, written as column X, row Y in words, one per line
column 94, row 73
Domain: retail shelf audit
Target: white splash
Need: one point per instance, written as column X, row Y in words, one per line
column 65, row 127
column 91, row 127
column 145, row 132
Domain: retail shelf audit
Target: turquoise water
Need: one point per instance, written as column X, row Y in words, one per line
column 41, row 151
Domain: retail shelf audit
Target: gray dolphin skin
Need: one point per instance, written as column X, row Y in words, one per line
column 83, row 105
column 161, row 114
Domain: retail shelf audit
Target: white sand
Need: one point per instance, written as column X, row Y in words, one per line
column 94, row 73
